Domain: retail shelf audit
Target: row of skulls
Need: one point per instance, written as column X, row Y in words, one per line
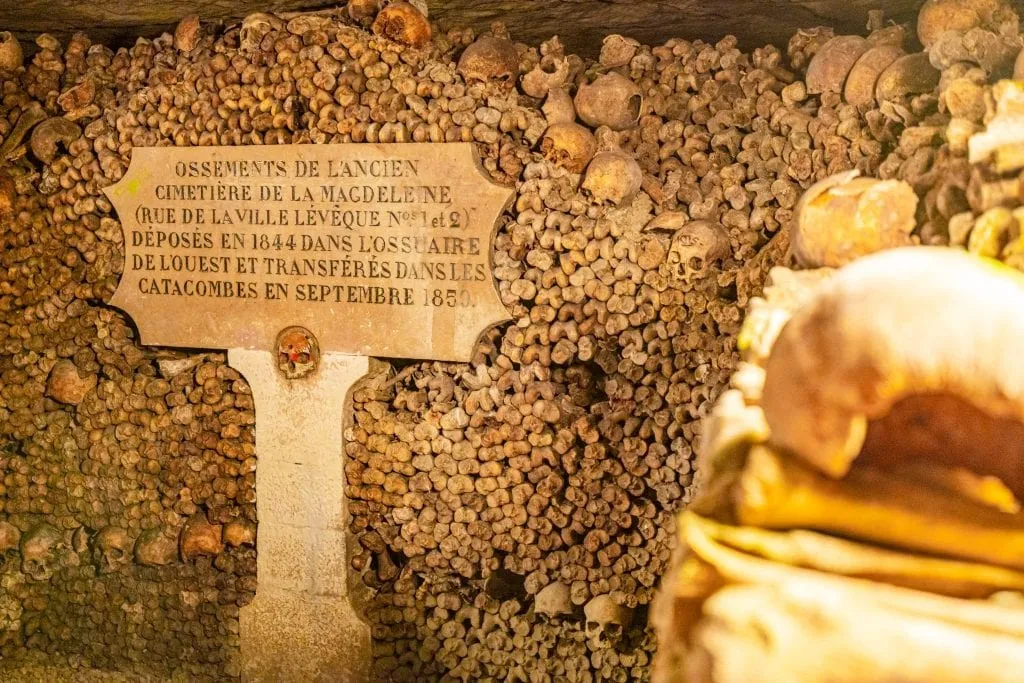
column 604, row 620
column 43, row 549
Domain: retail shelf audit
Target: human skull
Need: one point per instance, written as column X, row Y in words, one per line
column 617, row 50
column 490, row 59
column 111, row 549
column 611, row 100
column 298, row 353
column 254, row 27
column 9, row 536
column 553, row 600
column 695, row 247
column 613, row 176
column 605, row 619
column 199, row 537
column 155, row 549
column 568, row 145
column 405, row 23
column 239, row 532
column 41, row 547
column 844, row 217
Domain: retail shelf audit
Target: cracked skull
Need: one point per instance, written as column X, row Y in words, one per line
column 298, row 353
column 553, row 601
column 40, row 551
column 111, row 549
column 9, row 537
column 695, row 248
column 255, row 27
column 199, row 537
column 605, row 619
column 154, row 548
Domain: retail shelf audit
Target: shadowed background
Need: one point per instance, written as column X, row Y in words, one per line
column 580, row 23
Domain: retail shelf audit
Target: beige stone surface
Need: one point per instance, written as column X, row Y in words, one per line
column 377, row 249
column 301, row 625
column 293, row 637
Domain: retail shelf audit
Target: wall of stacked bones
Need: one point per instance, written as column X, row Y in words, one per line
column 512, row 514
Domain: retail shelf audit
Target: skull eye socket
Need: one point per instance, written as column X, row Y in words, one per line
column 634, row 106
column 303, row 357
column 34, row 568
column 696, row 263
column 115, row 553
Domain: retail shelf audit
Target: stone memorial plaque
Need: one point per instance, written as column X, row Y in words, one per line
column 378, row 249
column 301, row 261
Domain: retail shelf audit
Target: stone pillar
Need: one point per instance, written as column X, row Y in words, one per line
column 301, row 626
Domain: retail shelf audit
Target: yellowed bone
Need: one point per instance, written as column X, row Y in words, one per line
column 777, row 492
column 840, row 556
column 734, row 566
column 987, row 490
